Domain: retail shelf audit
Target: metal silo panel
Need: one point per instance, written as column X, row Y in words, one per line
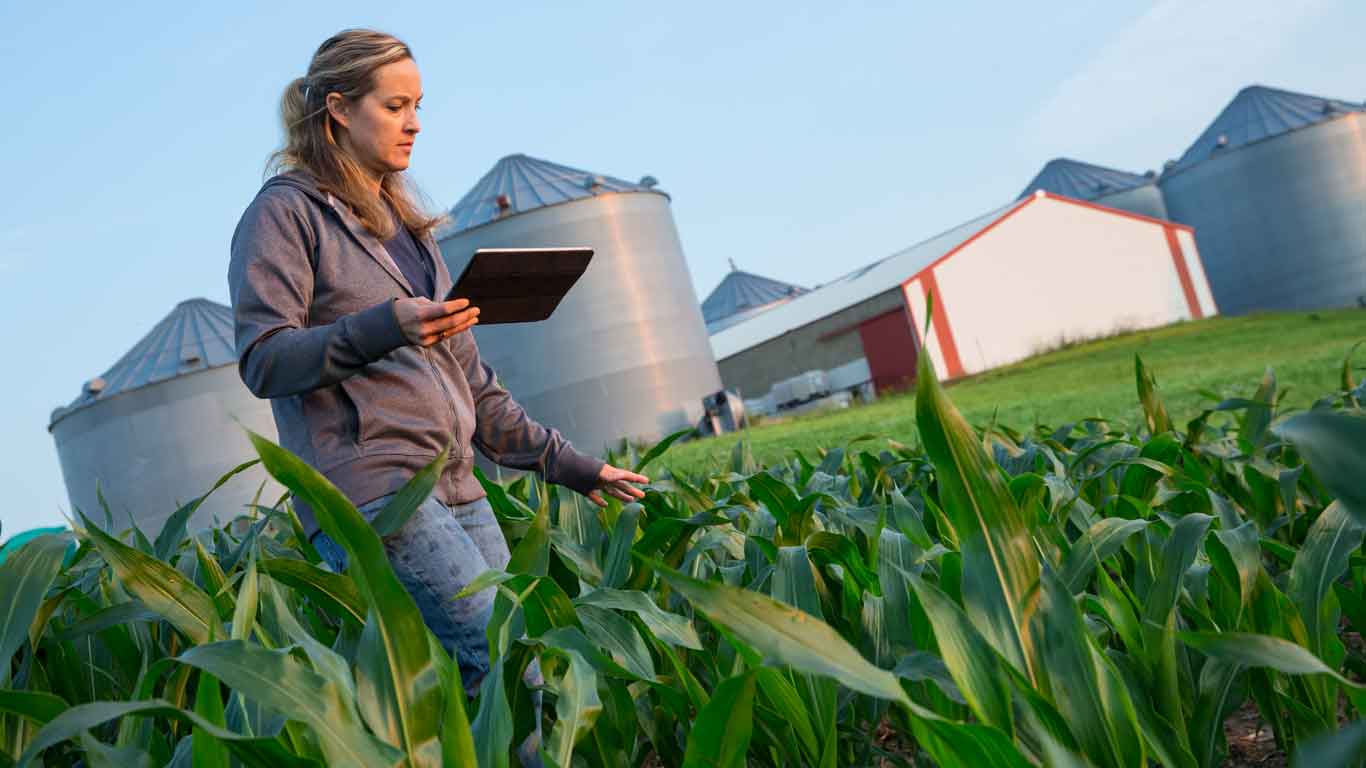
column 158, row 446
column 1145, row 201
column 626, row 352
column 1281, row 223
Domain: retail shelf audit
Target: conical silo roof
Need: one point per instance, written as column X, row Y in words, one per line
column 1257, row 113
column 740, row 293
column 527, row 183
column 1082, row 181
column 195, row 336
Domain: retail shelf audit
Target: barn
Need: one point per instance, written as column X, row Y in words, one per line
column 1012, row 282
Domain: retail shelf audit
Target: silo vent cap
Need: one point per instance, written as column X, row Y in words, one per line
column 1222, row 141
column 94, row 386
column 649, row 182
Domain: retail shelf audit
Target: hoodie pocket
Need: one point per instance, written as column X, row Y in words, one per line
column 400, row 406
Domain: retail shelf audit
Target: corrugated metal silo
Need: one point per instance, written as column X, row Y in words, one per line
column 626, row 352
column 1104, row 186
column 742, row 295
column 1276, row 191
column 158, row 428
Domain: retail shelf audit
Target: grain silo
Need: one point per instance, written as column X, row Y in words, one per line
column 1097, row 184
column 626, row 353
column 157, row 429
column 1276, row 191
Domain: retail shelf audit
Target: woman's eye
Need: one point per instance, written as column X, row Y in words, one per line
column 394, row 109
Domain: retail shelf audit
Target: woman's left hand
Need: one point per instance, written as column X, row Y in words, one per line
column 616, row 482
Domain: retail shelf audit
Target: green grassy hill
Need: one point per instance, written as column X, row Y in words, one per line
column 1223, row 355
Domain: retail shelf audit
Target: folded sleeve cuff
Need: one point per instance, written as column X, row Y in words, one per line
column 375, row 332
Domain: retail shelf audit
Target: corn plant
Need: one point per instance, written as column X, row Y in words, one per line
column 1080, row 594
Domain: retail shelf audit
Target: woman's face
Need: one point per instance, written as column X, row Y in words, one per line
column 382, row 124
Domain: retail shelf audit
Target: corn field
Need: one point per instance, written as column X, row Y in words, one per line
column 1070, row 595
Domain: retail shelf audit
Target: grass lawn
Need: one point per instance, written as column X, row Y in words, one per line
column 1227, row 355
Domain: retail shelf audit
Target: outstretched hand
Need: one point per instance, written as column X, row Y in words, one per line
column 617, row 483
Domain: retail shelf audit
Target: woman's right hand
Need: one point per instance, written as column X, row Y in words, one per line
column 426, row 322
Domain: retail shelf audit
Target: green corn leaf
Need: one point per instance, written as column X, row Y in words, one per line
column 793, row 582
column 616, row 568
column 1000, row 564
column 1241, row 554
column 778, row 692
column 1321, row 561
column 659, row 448
column 1344, row 747
column 457, row 740
column 25, row 577
column 1103, row 539
column 160, row 587
column 1215, row 701
column 336, row 591
column 721, row 733
column 615, row 635
column 281, row 682
column 411, row 496
column 786, row 635
column 173, row 530
column 1088, row 692
column 1333, row 444
column 248, row 596
column 101, row 755
column 211, row 573
column 577, row 706
column 1262, row 651
column 37, row 706
column 667, row 627
column 971, row 661
column 824, row 548
column 412, row 679
column 1154, row 412
column 492, row 726
column 255, row 752
column 208, row 751
column 326, row 661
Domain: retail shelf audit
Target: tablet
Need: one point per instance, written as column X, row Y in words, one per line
column 519, row 285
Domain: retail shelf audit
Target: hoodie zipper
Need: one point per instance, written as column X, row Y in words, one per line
column 450, row 400
column 426, row 353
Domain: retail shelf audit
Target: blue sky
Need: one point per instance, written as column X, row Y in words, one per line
column 797, row 139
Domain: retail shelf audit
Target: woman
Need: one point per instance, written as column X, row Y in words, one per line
column 333, row 277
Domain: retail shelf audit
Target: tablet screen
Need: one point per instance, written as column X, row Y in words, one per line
column 520, row 285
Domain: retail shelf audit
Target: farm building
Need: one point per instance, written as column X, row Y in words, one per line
column 625, row 354
column 1275, row 187
column 1007, row 284
column 163, row 424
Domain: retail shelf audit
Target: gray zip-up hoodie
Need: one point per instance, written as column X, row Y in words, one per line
column 312, row 297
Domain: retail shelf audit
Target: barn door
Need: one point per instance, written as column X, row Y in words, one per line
column 889, row 344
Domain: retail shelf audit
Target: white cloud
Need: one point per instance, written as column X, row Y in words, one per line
column 1148, row 93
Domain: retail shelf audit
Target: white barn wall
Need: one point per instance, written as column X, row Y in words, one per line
column 929, row 342
column 1055, row 270
column 1196, row 268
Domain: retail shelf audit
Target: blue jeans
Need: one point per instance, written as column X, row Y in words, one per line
column 435, row 554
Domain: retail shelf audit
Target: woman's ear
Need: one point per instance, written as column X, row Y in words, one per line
column 337, row 107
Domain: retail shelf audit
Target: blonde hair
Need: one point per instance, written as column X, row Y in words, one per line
column 345, row 63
